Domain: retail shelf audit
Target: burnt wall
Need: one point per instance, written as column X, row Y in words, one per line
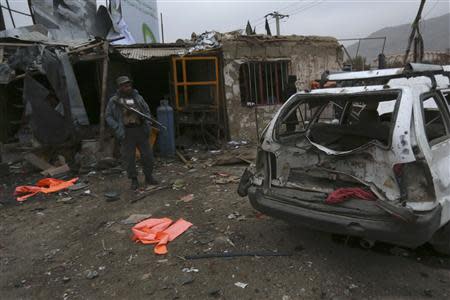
column 309, row 57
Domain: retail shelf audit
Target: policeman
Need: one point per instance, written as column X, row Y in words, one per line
column 131, row 129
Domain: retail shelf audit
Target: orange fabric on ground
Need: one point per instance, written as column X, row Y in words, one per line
column 46, row 186
column 159, row 232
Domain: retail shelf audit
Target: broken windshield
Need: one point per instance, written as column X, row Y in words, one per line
column 340, row 122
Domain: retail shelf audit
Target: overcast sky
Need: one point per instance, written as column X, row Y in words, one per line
column 338, row 18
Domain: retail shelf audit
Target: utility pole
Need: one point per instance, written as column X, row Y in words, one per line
column 162, row 29
column 418, row 40
column 277, row 16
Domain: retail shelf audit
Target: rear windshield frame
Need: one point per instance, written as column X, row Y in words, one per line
column 300, row 98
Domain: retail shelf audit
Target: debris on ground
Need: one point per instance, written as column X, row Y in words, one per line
column 189, row 270
column 226, row 179
column 159, row 232
column 112, row 196
column 242, row 156
column 135, row 218
column 65, row 200
column 184, row 160
column 91, row 274
column 178, row 184
column 149, row 191
column 37, row 162
column 77, row 186
column 242, row 285
column 56, row 171
column 45, row 186
column 187, row 198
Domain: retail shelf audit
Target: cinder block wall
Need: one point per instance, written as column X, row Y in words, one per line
column 309, row 56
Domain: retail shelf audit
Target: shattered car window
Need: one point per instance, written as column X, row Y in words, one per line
column 298, row 118
column 435, row 120
column 342, row 122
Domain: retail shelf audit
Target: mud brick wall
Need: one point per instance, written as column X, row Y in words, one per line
column 309, row 58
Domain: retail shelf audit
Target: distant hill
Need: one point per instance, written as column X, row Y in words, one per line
column 435, row 32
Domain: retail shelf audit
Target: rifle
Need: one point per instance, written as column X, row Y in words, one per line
column 141, row 114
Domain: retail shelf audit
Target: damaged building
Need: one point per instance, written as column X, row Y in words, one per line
column 221, row 86
column 226, row 86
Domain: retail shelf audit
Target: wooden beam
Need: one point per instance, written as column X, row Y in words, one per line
column 103, row 96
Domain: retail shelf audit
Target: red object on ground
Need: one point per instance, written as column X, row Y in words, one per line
column 46, row 186
column 342, row 194
column 159, row 232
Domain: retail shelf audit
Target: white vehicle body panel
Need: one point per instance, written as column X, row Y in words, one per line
column 408, row 131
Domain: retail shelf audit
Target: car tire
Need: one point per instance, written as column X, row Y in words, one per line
column 441, row 240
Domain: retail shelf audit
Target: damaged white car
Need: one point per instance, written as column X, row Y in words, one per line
column 369, row 158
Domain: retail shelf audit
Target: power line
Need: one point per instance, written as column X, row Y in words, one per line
column 429, row 11
column 313, row 4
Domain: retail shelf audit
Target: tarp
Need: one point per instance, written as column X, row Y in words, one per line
column 53, row 123
column 48, row 125
column 46, row 186
column 159, row 232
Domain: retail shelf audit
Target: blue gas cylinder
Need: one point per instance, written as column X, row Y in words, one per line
column 166, row 138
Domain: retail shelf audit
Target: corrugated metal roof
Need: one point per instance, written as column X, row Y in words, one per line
column 148, row 53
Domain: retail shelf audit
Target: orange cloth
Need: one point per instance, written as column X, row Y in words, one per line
column 46, row 186
column 159, row 232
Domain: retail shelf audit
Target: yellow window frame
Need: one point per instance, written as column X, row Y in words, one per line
column 186, row 83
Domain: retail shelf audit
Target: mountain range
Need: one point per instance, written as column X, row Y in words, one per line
column 435, row 33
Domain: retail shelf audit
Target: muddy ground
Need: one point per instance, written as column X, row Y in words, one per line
column 54, row 250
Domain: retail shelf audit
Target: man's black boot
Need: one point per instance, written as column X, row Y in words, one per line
column 134, row 184
column 151, row 181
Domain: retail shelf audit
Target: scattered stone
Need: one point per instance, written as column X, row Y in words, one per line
column 112, row 196
column 91, row 274
column 66, row 279
column 242, row 285
column 65, row 200
column 135, row 218
column 223, row 241
column 77, row 186
column 189, row 270
column 185, row 279
column 214, row 293
column 146, row 276
column 352, row 286
column 178, row 184
column 55, row 171
column 187, row 198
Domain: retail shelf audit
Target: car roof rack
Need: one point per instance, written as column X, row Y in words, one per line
column 410, row 70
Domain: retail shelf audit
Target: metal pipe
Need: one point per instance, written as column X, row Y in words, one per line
column 162, row 28
column 10, row 14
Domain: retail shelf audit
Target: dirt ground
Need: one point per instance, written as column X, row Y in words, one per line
column 54, row 250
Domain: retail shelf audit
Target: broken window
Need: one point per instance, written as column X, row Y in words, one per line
column 196, row 82
column 264, row 82
column 340, row 122
column 435, row 119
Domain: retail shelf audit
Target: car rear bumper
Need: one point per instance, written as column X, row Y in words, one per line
column 328, row 218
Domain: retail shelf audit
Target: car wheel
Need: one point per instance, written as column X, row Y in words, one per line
column 441, row 240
